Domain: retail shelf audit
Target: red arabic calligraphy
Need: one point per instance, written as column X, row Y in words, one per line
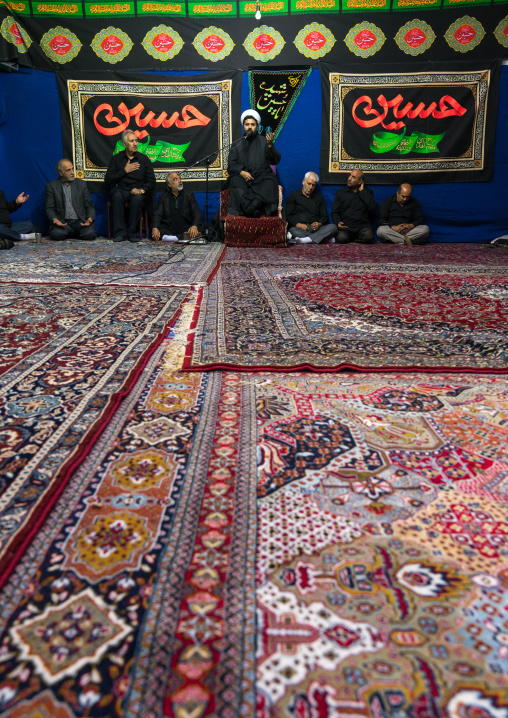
column 365, row 39
column 448, row 107
column 213, row 43
column 112, row 45
column 415, row 37
column 60, row 44
column 315, row 40
column 163, row 42
column 188, row 120
column 264, row 43
column 465, row 34
column 16, row 34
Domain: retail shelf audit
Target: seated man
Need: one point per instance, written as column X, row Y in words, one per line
column 253, row 185
column 351, row 208
column 69, row 206
column 307, row 216
column 401, row 219
column 132, row 175
column 12, row 232
column 177, row 211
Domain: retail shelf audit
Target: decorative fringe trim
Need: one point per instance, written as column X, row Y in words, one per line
column 174, row 354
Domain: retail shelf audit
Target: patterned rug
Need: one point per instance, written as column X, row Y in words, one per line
column 345, row 315
column 103, row 262
column 68, row 355
column 274, row 545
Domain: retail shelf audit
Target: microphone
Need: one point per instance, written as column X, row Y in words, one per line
column 248, row 134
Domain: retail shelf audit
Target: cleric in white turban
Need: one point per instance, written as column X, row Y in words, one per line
column 253, row 185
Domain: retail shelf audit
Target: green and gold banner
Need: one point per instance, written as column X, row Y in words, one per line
column 177, row 121
column 273, row 94
column 431, row 124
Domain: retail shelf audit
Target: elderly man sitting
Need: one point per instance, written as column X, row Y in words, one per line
column 177, row 211
column 307, row 215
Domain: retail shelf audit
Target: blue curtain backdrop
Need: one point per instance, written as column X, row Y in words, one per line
column 31, row 144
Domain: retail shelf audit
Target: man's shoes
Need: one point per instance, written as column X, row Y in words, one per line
column 134, row 239
column 6, row 243
column 328, row 240
column 120, row 238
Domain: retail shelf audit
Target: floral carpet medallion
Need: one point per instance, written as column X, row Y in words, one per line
column 370, row 317
column 273, row 545
column 67, row 357
column 101, row 262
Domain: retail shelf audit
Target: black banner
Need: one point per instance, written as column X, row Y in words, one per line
column 432, row 125
column 273, row 94
column 178, row 121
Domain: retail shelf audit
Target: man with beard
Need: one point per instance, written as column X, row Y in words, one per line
column 351, row 208
column 177, row 211
column 401, row 219
column 69, row 206
column 253, row 185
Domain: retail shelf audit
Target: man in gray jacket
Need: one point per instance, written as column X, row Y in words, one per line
column 69, row 206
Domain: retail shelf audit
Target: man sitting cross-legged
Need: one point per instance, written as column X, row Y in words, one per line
column 307, row 216
column 177, row 211
column 401, row 219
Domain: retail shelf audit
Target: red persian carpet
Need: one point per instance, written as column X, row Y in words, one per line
column 68, row 354
column 355, row 308
column 273, row 545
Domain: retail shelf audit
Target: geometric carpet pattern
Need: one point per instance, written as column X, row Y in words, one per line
column 332, row 316
column 68, row 354
column 273, row 545
column 103, row 262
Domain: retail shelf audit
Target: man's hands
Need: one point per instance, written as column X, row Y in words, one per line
column 58, row 223
column 301, row 225
column 193, row 231
column 131, row 167
column 87, row 223
column 246, row 175
column 269, row 138
column 402, row 228
column 341, row 225
column 156, row 233
column 315, row 226
column 22, row 198
column 135, row 190
column 362, row 185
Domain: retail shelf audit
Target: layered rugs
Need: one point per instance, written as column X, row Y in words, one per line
column 102, row 262
column 68, row 354
column 273, row 545
column 339, row 315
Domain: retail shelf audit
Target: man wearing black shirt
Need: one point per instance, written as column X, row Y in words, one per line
column 10, row 231
column 401, row 219
column 307, row 216
column 132, row 175
column 177, row 211
column 351, row 208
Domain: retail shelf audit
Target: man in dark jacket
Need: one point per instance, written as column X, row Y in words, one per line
column 177, row 211
column 9, row 231
column 307, row 216
column 130, row 175
column 401, row 219
column 351, row 209
column 69, row 206
column 253, row 186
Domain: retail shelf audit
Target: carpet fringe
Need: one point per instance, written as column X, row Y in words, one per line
column 175, row 352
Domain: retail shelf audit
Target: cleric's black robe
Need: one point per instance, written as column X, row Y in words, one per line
column 255, row 157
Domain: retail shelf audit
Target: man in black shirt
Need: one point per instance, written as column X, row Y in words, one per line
column 131, row 176
column 177, row 211
column 351, row 208
column 307, row 216
column 401, row 219
column 10, row 231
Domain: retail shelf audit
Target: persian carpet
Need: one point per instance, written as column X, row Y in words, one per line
column 68, row 354
column 341, row 315
column 103, row 262
column 273, row 545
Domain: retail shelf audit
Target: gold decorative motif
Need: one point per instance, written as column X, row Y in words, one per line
column 160, row 7
column 112, row 9
column 314, row 4
column 214, row 9
column 58, row 9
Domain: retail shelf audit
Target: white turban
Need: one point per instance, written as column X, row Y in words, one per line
column 251, row 113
